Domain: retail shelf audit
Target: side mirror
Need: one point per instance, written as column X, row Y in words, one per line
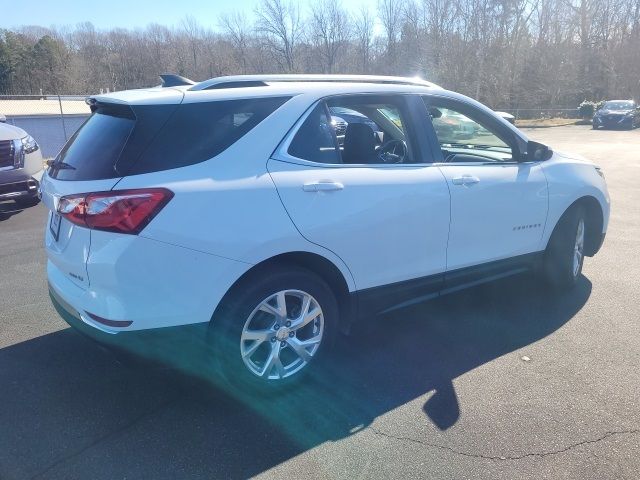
column 537, row 152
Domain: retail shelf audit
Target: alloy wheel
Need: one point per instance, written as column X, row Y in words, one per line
column 282, row 334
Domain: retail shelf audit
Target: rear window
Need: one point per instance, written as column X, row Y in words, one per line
column 119, row 140
column 92, row 151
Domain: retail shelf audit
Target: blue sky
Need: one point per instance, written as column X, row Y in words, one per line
column 129, row 13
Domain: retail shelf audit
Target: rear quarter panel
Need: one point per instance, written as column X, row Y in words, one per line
column 228, row 206
column 153, row 283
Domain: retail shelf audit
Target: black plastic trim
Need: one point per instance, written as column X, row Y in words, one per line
column 386, row 298
column 238, row 84
column 375, row 300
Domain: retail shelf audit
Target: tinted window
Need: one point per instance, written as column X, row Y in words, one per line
column 199, row 131
column 376, row 131
column 314, row 141
column 120, row 140
column 93, row 150
column 364, row 129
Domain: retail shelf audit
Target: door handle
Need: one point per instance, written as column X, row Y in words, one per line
column 465, row 180
column 322, row 186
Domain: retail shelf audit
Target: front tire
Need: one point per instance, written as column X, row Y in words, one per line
column 274, row 329
column 564, row 256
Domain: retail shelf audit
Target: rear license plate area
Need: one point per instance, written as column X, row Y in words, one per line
column 54, row 225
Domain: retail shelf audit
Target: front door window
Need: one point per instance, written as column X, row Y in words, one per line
column 466, row 139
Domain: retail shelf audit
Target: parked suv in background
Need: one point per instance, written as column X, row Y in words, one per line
column 20, row 166
column 225, row 216
column 617, row 114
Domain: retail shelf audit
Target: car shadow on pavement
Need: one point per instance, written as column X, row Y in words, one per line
column 8, row 209
column 68, row 410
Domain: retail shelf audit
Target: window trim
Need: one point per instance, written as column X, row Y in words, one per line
column 282, row 154
column 334, row 135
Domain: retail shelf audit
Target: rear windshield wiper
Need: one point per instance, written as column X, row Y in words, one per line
column 60, row 165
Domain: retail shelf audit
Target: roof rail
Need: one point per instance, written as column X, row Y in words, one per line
column 171, row 80
column 237, row 81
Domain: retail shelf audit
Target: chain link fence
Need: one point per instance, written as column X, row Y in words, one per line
column 50, row 119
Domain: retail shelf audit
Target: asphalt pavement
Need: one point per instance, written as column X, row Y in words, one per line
column 505, row 381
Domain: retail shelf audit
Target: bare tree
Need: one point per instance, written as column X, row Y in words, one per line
column 390, row 12
column 363, row 26
column 235, row 26
column 506, row 53
column 193, row 33
column 280, row 25
column 330, row 31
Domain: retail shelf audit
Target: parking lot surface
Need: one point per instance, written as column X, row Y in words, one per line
column 504, row 381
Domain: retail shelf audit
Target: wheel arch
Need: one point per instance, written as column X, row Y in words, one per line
column 316, row 263
column 594, row 222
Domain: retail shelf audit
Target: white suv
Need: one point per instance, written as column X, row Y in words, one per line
column 226, row 214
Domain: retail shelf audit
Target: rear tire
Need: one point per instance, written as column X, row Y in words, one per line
column 564, row 256
column 273, row 329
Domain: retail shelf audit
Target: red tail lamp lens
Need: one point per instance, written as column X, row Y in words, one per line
column 120, row 211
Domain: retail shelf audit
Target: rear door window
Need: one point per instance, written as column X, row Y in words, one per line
column 120, row 140
column 363, row 129
column 315, row 140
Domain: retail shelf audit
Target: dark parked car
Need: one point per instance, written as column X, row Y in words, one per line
column 342, row 116
column 617, row 114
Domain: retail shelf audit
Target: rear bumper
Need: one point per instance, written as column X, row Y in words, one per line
column 179, row 346
column 130, row 278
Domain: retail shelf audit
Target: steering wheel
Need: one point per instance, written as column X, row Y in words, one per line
column 392, row 151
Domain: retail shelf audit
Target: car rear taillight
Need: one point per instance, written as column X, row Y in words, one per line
column 120, row 211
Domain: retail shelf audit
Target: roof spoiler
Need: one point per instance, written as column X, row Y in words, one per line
column 171, row 80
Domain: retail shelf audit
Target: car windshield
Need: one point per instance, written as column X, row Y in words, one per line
column 618, row 106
